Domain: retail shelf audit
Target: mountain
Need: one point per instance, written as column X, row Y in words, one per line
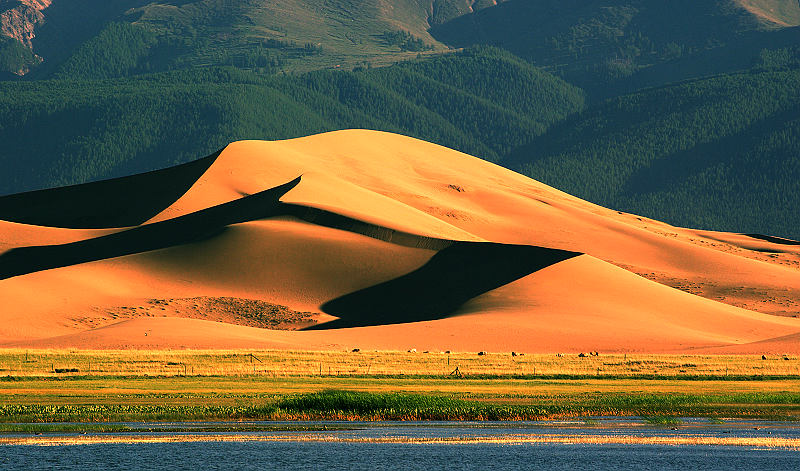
column 17, row 22
column 721, row 152
column 61, row 132
column 580, row 38
column 306, row 34
column 380, row 241
column 595, row 43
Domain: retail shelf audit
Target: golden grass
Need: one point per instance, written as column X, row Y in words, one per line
column 250, row 380
column 18, row 362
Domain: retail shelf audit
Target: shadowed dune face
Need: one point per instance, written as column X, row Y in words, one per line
column 120, row 202
column 773, row 239
column 386, row 242
column 452, row 277
column 180, row 230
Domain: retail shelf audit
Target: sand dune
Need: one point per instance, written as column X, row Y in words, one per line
column 119, row 202
column 398, row 243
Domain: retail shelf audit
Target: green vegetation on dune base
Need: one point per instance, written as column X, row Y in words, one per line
column 52, row 366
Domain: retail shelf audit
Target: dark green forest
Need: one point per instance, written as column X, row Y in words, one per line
column 93, row 129
column 686, row 112
column 721, row 152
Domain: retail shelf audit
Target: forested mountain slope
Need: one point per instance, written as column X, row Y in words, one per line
column 60, row 132
column 594, row 43
column 721, row 152
column 303, row 34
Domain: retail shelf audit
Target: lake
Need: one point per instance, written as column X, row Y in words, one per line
column 603, row 443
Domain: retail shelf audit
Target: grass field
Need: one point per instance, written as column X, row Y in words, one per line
column 64, row 363
column 119, row 386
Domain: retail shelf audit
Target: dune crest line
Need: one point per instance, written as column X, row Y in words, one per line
column 117, row 202
column 159, row 235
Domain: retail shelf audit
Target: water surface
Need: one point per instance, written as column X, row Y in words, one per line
column 610, row 443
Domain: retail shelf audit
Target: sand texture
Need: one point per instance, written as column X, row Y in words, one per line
column 374, row 240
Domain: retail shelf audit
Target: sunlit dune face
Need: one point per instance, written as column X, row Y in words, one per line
column 382, row 241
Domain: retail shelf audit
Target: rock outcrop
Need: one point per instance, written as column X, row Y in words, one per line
column 18, row 18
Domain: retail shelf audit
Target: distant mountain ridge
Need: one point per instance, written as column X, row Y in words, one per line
column 596, row 42
column 610, row 35
column 53, row 29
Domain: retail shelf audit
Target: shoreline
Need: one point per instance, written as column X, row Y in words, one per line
column 750, row 434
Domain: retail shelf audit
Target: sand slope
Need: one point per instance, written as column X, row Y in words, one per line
column 374, row 230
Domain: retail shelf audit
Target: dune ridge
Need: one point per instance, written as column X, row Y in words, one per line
column 118, row 202
column 394, row 243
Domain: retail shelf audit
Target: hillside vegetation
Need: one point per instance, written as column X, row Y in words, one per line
column 594, row 43
column 15, row 58
column 203, row 33
column 100, row 128
column 722, row 152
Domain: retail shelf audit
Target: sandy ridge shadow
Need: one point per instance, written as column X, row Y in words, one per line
column 117, row 202
column 159, row 235
column 436, row 290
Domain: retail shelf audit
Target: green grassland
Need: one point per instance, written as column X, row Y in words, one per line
column 114, row 386
column 43, row 364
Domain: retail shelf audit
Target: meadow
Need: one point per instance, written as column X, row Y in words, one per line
column 47, row 386
column 327, row 364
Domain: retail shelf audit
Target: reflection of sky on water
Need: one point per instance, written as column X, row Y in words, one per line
column 423, row 452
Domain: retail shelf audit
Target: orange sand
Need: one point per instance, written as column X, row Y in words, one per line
column 591, row 302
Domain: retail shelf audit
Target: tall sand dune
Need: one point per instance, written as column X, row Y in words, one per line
column 389, row 242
